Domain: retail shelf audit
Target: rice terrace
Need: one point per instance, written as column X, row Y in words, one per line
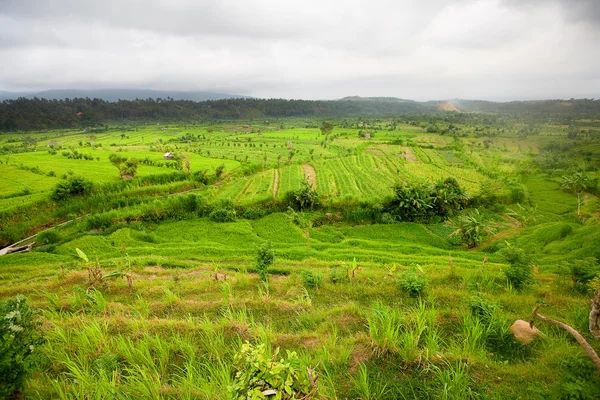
column 365, row 248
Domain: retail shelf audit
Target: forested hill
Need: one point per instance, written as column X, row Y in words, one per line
column 31, row 114
column 34, row 114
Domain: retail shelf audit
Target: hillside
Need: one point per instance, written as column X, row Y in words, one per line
column 119, row 94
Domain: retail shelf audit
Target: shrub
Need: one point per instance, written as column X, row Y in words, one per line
column 583, row 271
column 71, row 186
column 412, row 281
column 222, row 215
column 520, row 270
column 200, row 176
column 98, row 221
column 311, row 279
column 47, row 237
column 471, row 228
column 257, row 371
column 264, row 259
column 518, row 193
column 338, row 275
column 304, row 198
column 19, row 339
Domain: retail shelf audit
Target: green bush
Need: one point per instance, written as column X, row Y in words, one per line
column 520, row 269
column 311, row 279
column 412, row 281
column 338, row 275
column 583, row 271
column 47, row 237
column 257, row 371
column 265, row 255
column 304, row 198
column 98, row 221
column 19, row 341
column 71, row 186
column 222, row 215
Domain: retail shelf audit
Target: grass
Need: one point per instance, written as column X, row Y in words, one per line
column 334, row 299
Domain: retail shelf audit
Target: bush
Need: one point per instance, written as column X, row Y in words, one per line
column 518, row 193
column 305, row 198
column 98, row 221
column 337, row 275
column 583, row 271
column 256, row 371
column 520, row 270
column 47, row 237
column 264, row 259
column 412, row 281
column 222, row 215
column 71, row 186
column 311, row 279
column 19, row 340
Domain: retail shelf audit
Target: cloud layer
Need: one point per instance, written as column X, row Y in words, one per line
column 431, row 49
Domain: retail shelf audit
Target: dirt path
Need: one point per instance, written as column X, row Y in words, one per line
column 310, row 175
column 276, row 182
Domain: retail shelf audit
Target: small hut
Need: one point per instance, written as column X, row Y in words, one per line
column 168, row 156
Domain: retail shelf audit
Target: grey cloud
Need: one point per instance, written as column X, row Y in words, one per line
column 574, row 10
column 310, row 48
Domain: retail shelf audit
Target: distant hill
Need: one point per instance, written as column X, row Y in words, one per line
column 532, row 106
column 120, row 94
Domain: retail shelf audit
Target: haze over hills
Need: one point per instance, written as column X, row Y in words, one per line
column 120, row 94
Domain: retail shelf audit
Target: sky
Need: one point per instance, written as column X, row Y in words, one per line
column 309, row 49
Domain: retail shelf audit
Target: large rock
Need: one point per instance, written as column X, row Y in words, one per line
column 523, row 331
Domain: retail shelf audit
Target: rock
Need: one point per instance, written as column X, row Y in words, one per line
column 523, row 331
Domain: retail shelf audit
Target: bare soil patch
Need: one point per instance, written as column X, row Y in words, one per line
column 310, row 175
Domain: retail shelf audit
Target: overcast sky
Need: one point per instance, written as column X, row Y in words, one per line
column 312, row 49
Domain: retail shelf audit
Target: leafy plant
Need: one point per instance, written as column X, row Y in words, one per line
column 258, row 374
column 520, row 270
column 264, row 259
column 19, row 340
column 583, row 271
column 471, row 228
column 222, row 215
column 71, row 186
column 311, row 279
column 304, row 198
column 412, row 281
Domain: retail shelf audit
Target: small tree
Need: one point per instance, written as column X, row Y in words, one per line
column 578, row 183
column 219, row 171
column 127, row 167
column 304, row 198
column 264, row 259
column 472, row 228
column 326, row 128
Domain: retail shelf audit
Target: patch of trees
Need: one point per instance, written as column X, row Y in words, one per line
column 427, row 202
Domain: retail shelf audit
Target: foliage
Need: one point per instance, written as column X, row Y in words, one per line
column 219, row 171
column 71, row 186
column 421, row 201
column 19, row 341
column 127, row 167
column 222, row 215
column 258, row 374
column 471, row 228
column 265, row 255
column 412, row 281
column 583, row 271
column 47, row 237
column 326, row 128
column 304, row 198
column 311, row 279
column 520, row 269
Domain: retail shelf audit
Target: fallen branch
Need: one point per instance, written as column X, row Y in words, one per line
column 580, row 339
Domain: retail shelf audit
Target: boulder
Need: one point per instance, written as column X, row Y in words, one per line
column 523, row 331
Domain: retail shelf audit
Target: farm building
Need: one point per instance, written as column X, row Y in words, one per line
column 169, row 156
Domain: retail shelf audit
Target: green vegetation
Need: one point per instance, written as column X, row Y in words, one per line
column 329, row 257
